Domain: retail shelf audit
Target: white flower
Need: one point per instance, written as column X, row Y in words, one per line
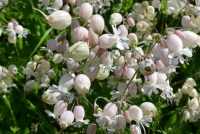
column 121, row 42
column 149, row 89
column 177, row 56
column 44, row 3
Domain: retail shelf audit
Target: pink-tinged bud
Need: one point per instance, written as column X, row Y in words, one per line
column 79, row 3
column 164, row 56
column 79, row 113
column 66, row 8
column 110, row 110
column 132, row 89
column 127, row 116
column 180, row 34
column 93, row 37
column 192, row 39
column 133, row 36
column 66, row 119
column 185, row 21
column 79, row 34
column 174, row 43
column 156, row 50
column 59, row 108
column 19, row 29
column 72, row 65
column 121, row 87
column 106, row 41
column 58, row 4
column 197, row 2
column 107, row 59
column 85, row 12
column 119, row 123
column 51, row 97
column 57, row 58
column 128, row 72
column 91, row 69
column 115, row 19
column 97, row 23
column 52, row 44
column 151, row 79
column 92, row 128
column 124, row 31
column 147, row 67
column 82, row 83
column 66, row 83
column 128, row 57
column 119, row 71
column 72, row 2
column 130, row 22
column 159, row 64
column 10, row 26
column 135, row 113
column 74, row 24
column 133, row 131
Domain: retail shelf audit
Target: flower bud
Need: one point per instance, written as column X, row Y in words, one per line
column 180, row 34
column 72, row 65
column 120, row 61
column 186, row 115
column 192, row 92
column 185, row 21
column 93, row 37
column 133, row 36
column 127, row 116
column 128, row 72
column 151, row 79
column 159, row 64
column 79, row 51
column 31, row 65
column 57, row 58
column 19, row 29
column 85, row 11
column 58, row 4
column 197, row 2
column 115, row 19
column 66, row 119
column 138, row 53
column 134, row 129
column 130, row 21
column 132, row 89
column 147, row 67
column 59, row 108
column 135, row 113
column 52, row 44
column 119, row 71
column 66, row 8
column 29, row 85
column 174, row 43
column 124, row 31
column 82, row 84
column 66, row 83
column 59, row 19
column 91, row 69
column 79, row 113
column 107, row 59
column 91, row 129
column 51, row 97
column 119, row 123
column 62, row 45
column 79, row 34
column 103, row 72
column 110, row 110
column 13, row 69
column 142, row 26
column 97, row 23
column 106, row 41
column 72, row 2
column 149, row 109
column 164, row 56
column 192, row 39
column 193, row 104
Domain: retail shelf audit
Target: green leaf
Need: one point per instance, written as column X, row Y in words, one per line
column 172, row 121
column 14, row 129
column 127, row 4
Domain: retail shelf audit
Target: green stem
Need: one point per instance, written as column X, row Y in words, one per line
column 11, row 112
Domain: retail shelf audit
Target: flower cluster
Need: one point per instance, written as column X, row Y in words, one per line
column 125, row 53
